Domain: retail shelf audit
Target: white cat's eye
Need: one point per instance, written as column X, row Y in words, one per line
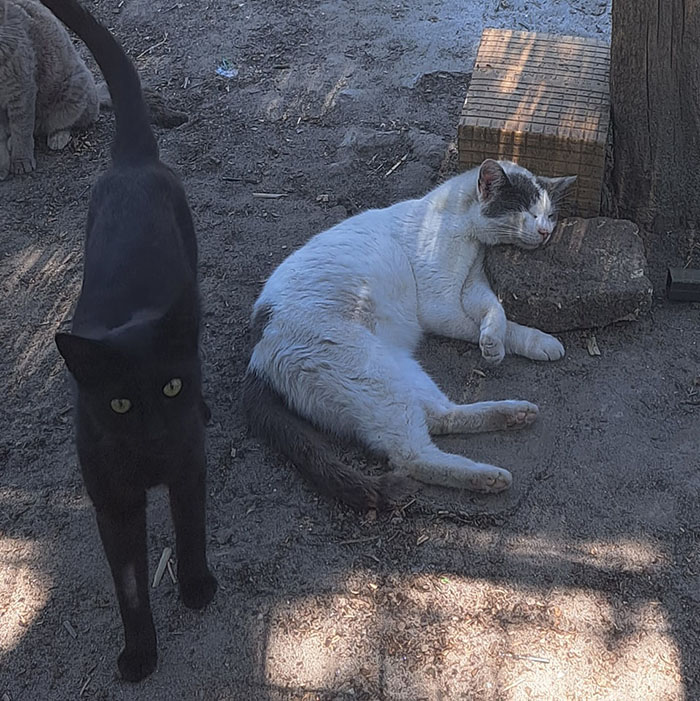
column 172, row 389
column 120, row 406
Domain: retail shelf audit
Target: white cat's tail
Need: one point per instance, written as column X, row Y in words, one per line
column 311, row 451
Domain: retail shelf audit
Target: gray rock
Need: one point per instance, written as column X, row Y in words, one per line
column 428, row 148
column 364, row 140
column 592, row 273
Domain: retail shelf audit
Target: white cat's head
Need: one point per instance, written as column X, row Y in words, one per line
column 517, row 206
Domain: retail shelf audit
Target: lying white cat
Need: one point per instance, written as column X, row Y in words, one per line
column 340, row 319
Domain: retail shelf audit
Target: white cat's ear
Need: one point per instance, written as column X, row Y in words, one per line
column 556, row 187
column 491, row 179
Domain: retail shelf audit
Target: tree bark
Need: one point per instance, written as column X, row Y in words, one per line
column 655, row 94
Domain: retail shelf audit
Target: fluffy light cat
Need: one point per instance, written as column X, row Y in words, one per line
column 339, row 320
column 45, row 88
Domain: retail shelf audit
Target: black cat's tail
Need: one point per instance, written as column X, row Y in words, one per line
column 311, row 452
column 134, row 141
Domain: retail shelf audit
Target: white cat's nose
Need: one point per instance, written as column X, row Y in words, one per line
column 544, row 233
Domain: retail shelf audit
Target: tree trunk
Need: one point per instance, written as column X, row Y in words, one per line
column 655, row 93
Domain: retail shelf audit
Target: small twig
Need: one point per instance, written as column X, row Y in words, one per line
column 70, row 629
column 269, row 195
column 513, row 685
column 396, row 165
column 162, row 564
column 529, row 658
column 84, row 192
column 155, row 46
column 171, row 573
column 85, row 685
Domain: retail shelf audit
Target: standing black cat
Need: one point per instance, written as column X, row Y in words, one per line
column 134, row 354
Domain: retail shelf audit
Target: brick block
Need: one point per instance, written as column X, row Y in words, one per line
column 542, row 101
column 592, row 273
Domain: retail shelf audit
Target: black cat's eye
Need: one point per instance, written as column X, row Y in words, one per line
column 120, row 406
column 172, row 388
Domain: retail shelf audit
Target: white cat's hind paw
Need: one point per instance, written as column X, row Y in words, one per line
column 492, row 349
column 519, row 414
column 488, row 479
column 58, row 140
column 545, row 347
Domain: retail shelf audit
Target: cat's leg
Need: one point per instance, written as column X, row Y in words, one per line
column 4, row 146
column 433, row 466
column 382, row 408
column 477, row 317
column 123, row 533
column 188, row 508
column 480, row 417
column 444, row 416
column 20, row 113
column 479, row 302
column 78, row 107
column 532, row 343
column 497, row 335
column 480, row 318
column 58, row 140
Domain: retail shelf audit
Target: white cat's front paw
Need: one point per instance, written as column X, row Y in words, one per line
column 544, row 347
column 488, row 479
column 492, row 349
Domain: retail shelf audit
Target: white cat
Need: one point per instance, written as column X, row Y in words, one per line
column 45, row 87
column 340, row 319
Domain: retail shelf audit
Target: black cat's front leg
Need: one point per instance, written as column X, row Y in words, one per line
column 123, row 533
column 188, row 505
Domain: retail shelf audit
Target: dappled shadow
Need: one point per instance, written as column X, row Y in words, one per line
column 582, row 582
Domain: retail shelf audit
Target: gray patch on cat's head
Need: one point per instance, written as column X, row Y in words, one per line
column 518, row 194
column 556, row 187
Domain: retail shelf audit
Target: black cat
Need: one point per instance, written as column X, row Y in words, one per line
column 134, row 354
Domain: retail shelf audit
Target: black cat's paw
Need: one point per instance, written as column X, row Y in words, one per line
column 198, row 592
column 135, row 665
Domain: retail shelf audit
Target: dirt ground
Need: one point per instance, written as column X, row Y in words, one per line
column 583, row 582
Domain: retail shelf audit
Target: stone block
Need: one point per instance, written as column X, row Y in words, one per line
column 590, row 274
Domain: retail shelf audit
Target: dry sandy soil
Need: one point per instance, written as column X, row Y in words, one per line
column 583, row 582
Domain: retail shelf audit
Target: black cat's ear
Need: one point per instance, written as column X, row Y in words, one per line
column 89, row 361
column 492, row 178
column 556, row 187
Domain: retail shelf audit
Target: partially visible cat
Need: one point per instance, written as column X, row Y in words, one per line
column 339, row 320
column 45, row 87
column 133, row 352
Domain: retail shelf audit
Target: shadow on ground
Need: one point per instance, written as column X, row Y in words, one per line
column 583, row 582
